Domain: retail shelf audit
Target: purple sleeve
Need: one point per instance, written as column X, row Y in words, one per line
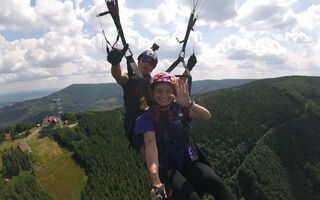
column 188, row 118
column 144, row 123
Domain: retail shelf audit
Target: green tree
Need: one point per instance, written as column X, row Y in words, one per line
column 15, row 161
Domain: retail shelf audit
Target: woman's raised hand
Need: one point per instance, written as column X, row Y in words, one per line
column 182, row 94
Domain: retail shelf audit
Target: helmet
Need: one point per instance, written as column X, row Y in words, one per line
column 151, row 54
column 163, row 77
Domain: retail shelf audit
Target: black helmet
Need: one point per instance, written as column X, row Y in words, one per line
column 151, row 53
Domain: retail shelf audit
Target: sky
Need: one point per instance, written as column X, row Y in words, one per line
column 55, row 43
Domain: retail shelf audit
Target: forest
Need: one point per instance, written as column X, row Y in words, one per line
column 264, row 137
column 263, row 140
column 17, row 166
column 115, row 171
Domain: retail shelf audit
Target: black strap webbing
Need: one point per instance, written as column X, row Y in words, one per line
column 162, row 127
column 129, row 69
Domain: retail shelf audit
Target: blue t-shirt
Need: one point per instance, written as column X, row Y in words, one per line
column 145, row 123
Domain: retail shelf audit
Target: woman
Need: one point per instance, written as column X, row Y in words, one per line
column 169, row 157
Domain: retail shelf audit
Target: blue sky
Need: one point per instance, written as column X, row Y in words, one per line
column 55, row 43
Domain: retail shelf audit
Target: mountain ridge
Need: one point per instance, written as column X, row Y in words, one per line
column 86, row 97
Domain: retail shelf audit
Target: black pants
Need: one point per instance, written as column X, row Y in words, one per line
column 197, row 177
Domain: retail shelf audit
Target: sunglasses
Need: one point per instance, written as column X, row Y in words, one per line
column 147, row 60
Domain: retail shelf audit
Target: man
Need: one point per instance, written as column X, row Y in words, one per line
column 136, row 90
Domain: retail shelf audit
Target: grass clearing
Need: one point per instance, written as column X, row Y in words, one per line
column 57, row 173
column 9, row 144
column 45, row 149
column 49, row 167
column 62, row 178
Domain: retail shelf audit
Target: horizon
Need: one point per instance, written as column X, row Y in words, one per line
column 58, row 89
column 54, row 43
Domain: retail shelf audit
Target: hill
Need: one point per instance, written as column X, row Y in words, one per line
column 75, row 98
column 86, row 97
column 8, row 98
column 264, row 137
column 263, row 140
column 204, row 86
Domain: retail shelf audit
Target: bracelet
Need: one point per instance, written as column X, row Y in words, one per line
column 191, row 105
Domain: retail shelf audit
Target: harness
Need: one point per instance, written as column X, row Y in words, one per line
column 136, row 100
column 165, row 136
column 163, row 129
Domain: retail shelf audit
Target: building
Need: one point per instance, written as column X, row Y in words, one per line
column 48, row 123
column 24, row 147
column 53, row 119
column 8, row 136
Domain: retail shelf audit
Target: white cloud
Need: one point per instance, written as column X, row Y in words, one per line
column 17, row 15
column 248, row 47
column 268, row 39
column 310, row 19
column 212, row 11
column 266, row 15
column 154, row 19
column 218, row 11
column 58, row 16
column 297, row 36
column 63, row 55
column 4, row 78
column 246, row 56
column 52, row 50
column 53, row 55
column 55, row 15
column 11, row 57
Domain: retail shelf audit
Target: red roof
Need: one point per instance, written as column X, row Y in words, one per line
column 24, row 147
column 8, row 136
column 51, row 119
